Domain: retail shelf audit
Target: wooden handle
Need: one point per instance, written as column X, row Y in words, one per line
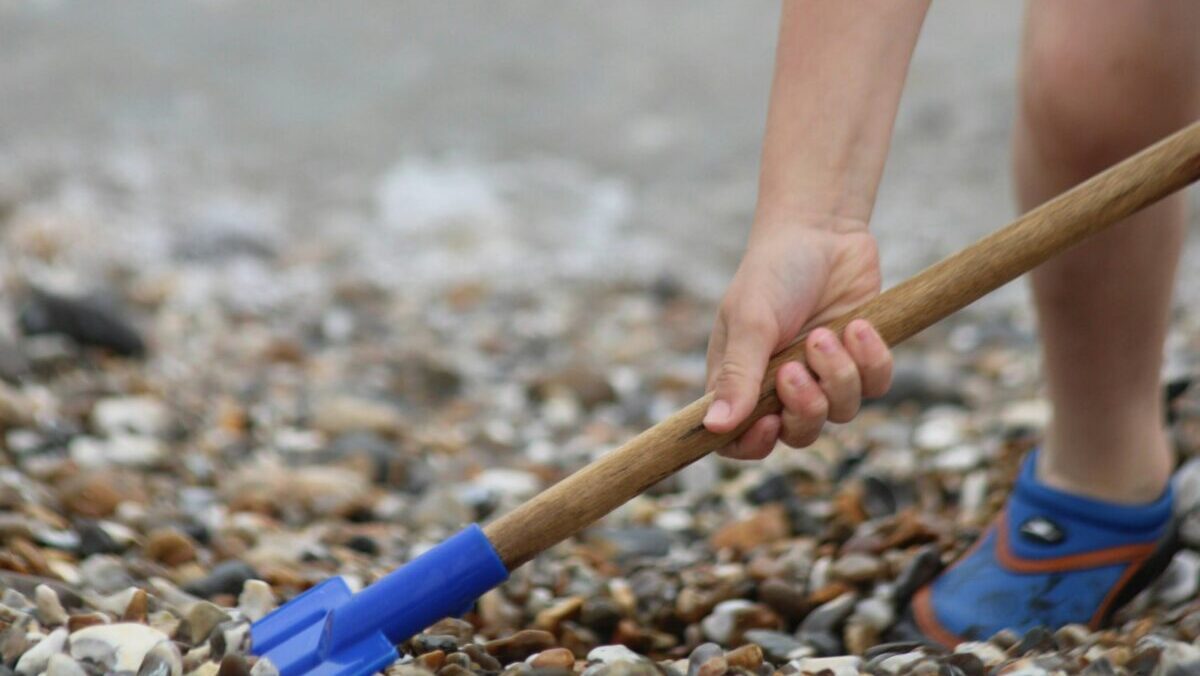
column 947, row 286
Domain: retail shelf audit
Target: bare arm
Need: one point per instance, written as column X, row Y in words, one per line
column 839, row 71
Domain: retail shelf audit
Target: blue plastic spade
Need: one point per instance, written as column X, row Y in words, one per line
column 329, row 630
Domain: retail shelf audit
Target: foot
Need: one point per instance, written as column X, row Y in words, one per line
column 1049, row 559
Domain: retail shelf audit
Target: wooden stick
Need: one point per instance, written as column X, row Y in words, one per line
column 945, row 287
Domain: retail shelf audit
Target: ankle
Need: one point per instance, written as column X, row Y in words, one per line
column 1117, row 476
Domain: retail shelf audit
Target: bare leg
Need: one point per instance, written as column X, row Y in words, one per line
column 1098, row 82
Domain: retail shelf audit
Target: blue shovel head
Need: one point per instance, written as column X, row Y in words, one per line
column 329, row 630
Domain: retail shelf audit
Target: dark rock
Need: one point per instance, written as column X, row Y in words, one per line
column 968, row 664
column 600, row 614
column 226, row 577
column 1036, row 640
column 85, row 321
column 774, row 488
column 923, row 567
column 826, row 644
column 427, row 643
column 364, row 544
column 233, row 665
column 827, row 617
column 13, row 364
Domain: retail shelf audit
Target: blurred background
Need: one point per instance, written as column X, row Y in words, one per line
column 435, row 141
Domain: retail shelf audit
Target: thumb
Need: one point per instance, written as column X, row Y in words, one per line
column 739, row 373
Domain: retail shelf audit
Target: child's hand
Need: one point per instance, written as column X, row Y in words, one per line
column 795, row 276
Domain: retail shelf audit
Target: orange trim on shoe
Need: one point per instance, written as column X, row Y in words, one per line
column 927, row 621
column 1096, row 559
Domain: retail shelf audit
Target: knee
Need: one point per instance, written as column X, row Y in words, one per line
column 1087, row 105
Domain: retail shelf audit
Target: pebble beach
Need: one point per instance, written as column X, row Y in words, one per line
column 228, row 373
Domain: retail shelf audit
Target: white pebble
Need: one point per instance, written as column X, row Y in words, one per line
column 35, row 659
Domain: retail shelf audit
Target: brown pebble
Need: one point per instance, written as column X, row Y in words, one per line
column 554, row 658
column 769, row 524
column 520, row 645
column 432, row 660
column 550, row 618
column 135, row 610
column 233, row 665
column 82, row 620
column 96, row 494
column 454, row 670
column 859, row 637
column 748, row 657
column 170, row 546
column 33, row 556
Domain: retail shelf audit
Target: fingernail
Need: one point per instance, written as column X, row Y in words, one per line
column 824, row 342
column 717, row 413
column 798, row 377
column 863, row 331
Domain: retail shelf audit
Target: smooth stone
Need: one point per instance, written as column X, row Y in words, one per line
column 609, row 654
column 142, row 415
column 777, row 645
column 703, row 653
column 1179, row 659
column 95, row 539
column 427, row 643
column 1179, row 582
column 35, row 659
column 105, row 574
column 942, row 428
column 233, row 665
column 520, row 645
column 170, row 547
column 991, row 655
column 164, row 659
column 959, row 459
column 117, row 647
column 1186, row 482
column 511, row 483
column 845, row 665
column 62, row 665
column 83, row 320
column 256, row 600
column 826, row 617
column 50, row 610
column 636, row 541
column 967, row 663
column 227, row 577
column 748, row 657
column 202, row 618
column 875, row 612
column 857, row 568
column 554, row 658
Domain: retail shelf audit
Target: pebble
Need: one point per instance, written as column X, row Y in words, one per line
column 256, row 600
column 141, row 415
column 164, row 659
column 49, row 607
column 520, row 645
column 857, row 568
column 62, row 665
column 202, row 618
column 36, row 658
column 170, row 546
column 847, row 665
column 776, row 645
column 1180, row 581
column 116, row 647
column 554, row 658
column 827, row 617
column 83, row 320
column 610, row 654
column 227, row 577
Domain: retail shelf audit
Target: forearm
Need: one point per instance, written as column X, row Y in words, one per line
column 840, row 68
